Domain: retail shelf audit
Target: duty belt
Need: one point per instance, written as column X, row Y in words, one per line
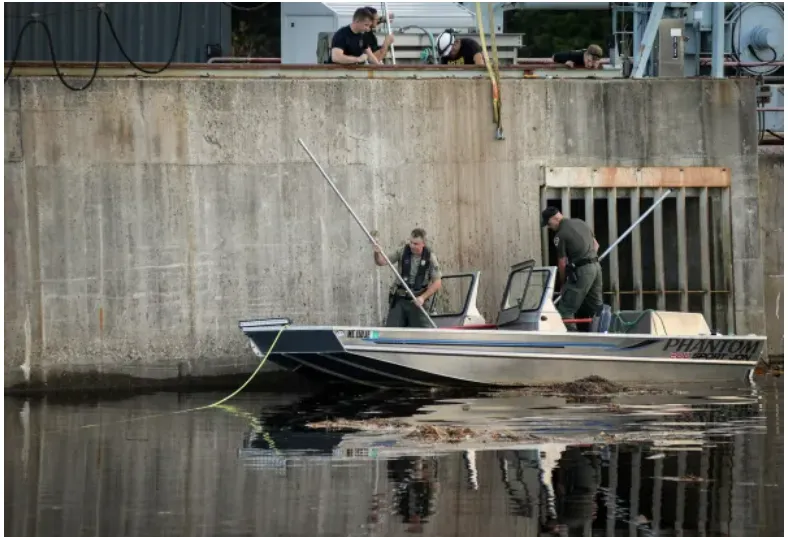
column 402, row 293
column 587, row 261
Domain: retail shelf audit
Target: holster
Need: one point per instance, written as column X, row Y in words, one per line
column 571, row 272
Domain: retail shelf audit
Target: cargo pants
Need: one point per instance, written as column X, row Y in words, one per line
column 404, row 313
column 587, row 290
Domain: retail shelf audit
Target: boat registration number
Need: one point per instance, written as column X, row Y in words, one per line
column 359, row 334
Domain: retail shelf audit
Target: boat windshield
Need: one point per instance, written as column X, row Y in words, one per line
column 535, row 292
column 452, row 298
column 526, row 299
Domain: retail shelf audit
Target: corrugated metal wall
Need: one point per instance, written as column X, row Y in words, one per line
column 146, row 30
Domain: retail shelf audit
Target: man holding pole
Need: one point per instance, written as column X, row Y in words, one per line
column 371, row 40
column 419, row 268
column 578, row 264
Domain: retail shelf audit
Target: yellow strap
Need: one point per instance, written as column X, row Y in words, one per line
column 493, row 78
column 217, row 404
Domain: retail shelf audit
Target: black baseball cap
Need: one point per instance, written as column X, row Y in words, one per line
column 548, row 213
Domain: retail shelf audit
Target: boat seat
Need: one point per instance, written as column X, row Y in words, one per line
column 600, row 323
column 663, row 323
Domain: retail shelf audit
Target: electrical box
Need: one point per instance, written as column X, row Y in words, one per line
column 670, row 50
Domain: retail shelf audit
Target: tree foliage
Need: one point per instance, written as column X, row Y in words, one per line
column 550, row 31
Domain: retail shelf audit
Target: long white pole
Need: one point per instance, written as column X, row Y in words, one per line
column 388, row 30
column 635, row 224
column 366, row 231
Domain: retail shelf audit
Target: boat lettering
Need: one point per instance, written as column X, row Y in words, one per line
column 711, row 349
column 358, row 334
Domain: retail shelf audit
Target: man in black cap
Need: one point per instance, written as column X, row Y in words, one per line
column 578, row 264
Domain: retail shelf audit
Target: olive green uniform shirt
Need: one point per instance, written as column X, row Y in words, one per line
column 574, row 240
column 433, row 275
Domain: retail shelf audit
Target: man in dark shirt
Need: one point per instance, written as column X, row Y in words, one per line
column 371, row 40
column 458, row 50
column 347, row 45
column 590, row 58
column 578, row 264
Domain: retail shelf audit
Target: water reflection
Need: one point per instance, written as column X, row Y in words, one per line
column 699, row 467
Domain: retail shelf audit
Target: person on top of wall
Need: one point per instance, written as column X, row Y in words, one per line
column 371, row 40
column 347, row 44
column 419, row 267
column 578, row 264
column 458, row 50
column 590, row 58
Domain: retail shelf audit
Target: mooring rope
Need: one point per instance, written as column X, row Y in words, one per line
column 216, row 404
column 220, row 404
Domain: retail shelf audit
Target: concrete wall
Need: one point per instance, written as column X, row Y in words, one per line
column 771, row 172
column 144, row 218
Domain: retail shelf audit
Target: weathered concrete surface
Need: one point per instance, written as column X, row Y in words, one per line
column 144, row 218
column 771, row 172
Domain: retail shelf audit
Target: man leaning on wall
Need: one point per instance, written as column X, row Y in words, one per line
column 590, row 58
column 347, row 44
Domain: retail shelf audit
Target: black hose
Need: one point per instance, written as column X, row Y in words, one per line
column 132, row 62
column 51, row 44
column 101, row 13
column 242, row 8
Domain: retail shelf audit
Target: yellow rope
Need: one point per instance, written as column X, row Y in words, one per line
column 484, row 53
column 217, row 404
column 496, row 64
column 493, row 78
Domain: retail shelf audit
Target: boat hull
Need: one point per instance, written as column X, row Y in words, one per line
column 476, row 358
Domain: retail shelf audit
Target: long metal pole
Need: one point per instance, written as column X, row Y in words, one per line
column 366, row 232
column 646, row 44
column 635, row 224
column 388, row 30
column 717, row 39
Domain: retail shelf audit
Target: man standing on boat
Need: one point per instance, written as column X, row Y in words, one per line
column 578, row 264
column 419, row 267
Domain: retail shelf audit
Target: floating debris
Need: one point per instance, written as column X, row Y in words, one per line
column 372, row 424
column 429, row 433
column 592, row 386
column 434, row 433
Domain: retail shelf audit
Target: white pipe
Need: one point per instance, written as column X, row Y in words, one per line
column 717, row 39
column 388, row 30
column 366, row 231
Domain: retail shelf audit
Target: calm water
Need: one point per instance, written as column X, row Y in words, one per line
column 709, row 462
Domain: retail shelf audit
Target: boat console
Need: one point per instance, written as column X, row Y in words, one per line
column 527, row 304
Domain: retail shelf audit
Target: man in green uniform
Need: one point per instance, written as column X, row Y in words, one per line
column 419, row 267
column 578, row 265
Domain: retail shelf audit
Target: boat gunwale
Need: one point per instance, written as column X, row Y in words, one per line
column 393, row 349
column 447, row 331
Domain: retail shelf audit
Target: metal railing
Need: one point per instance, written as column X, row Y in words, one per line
column 239, row 59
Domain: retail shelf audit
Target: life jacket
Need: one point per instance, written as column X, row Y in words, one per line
column 420, row 283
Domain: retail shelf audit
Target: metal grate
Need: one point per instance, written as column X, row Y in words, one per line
column 679, row 258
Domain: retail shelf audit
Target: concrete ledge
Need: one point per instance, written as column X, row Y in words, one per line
column 309, row 71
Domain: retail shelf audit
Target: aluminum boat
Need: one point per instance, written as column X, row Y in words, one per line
column 528, row 345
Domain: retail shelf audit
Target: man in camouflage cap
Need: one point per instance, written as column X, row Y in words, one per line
column 419, row 267
column 578, row 264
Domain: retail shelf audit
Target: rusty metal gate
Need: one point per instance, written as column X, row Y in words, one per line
column 679, row 258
